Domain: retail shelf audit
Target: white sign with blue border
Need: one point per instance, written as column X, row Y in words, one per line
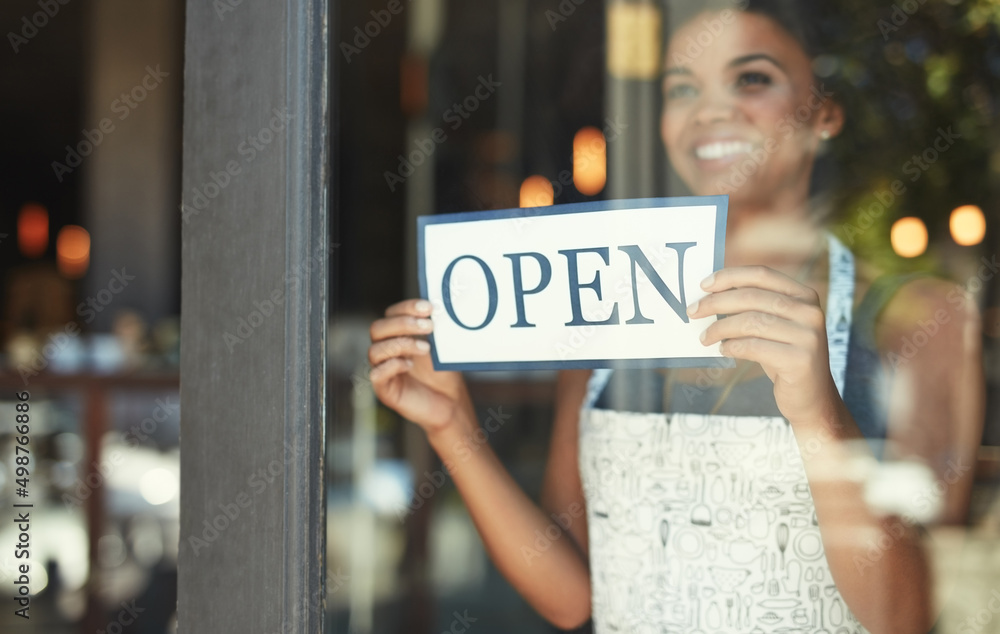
column 588, row 285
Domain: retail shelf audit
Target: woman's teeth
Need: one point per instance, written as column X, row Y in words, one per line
column 720, row 150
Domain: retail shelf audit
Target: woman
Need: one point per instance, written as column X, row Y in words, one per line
column 729, row 500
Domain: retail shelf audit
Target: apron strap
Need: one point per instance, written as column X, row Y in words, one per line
column 598, row 381
column 839, row 309
column 839, row 312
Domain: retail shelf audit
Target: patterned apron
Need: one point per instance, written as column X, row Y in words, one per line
column 705, row 523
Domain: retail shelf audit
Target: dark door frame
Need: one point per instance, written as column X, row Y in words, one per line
column 255, row 253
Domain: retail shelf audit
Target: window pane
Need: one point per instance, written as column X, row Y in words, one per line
column 792, row 498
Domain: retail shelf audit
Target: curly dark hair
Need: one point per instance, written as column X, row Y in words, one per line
column 810, row 23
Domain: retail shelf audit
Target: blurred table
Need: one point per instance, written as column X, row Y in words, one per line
column 94, row 390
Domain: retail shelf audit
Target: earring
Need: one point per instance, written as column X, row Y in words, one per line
column 825, row 135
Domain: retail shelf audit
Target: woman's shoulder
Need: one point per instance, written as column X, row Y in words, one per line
column 897, row 307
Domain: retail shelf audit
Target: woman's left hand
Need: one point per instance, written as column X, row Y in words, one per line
column 777, row 322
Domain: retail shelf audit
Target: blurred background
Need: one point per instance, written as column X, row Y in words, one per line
column 539, row 102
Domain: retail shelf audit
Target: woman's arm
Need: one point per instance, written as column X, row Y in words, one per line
column 527, row 545
column 929, row 337
column 551, row 574
column 877, row 561
column 562, row 490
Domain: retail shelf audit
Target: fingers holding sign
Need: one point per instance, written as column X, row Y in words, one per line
column 403, row 374
column 775, row 321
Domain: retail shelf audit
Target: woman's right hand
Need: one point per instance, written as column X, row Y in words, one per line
column 558, row 584
column 403, row 375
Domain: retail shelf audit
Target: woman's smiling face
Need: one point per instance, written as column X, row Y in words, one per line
column 743, row 115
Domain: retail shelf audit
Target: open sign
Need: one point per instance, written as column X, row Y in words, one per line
column 572, row 286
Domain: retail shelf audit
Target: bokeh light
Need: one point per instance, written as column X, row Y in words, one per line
column 158, row 486
column 33, row 230
column 909, row 237
column 590, row 161
column 968, row 225
column 536, row 191
column 73, row 251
